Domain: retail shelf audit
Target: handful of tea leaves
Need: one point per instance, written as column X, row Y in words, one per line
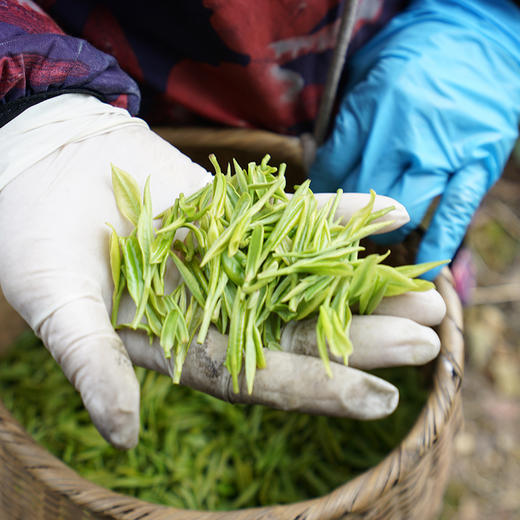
column 253, row 258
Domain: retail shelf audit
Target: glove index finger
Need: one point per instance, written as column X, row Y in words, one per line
column 461, row 198
column 351, row 203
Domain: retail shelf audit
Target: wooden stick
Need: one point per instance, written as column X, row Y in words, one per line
column 338, row 59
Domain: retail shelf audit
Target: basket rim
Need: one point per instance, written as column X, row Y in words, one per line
column 354, row 495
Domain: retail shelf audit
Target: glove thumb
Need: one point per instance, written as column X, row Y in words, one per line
column 81, row 339
column 462, row 195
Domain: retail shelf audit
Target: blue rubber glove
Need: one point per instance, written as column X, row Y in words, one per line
column 431, row 108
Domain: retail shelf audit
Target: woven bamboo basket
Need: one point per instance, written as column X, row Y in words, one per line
column 408, row 484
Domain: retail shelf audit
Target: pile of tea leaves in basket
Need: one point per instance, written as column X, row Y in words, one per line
column 253, row 259
column 196, row 451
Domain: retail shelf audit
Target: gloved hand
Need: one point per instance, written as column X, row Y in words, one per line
column 431, row 108
column 54, row 270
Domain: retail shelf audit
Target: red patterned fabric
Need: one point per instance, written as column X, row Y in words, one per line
column 248, row 64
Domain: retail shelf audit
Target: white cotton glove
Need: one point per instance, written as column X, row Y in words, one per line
column 56, row 199
column 54, row 267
